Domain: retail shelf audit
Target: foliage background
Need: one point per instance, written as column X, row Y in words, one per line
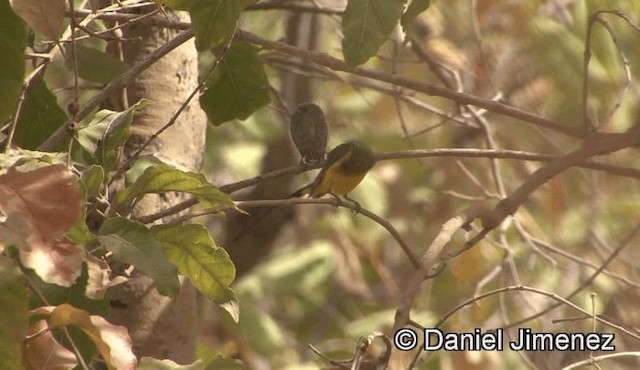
column 330, row 276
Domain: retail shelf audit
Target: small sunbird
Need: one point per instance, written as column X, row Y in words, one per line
column 346, row 166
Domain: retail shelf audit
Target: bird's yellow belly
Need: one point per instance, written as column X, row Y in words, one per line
column 338, row 183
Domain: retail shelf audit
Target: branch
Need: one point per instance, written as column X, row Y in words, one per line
column 623, row 244
column 118, row 83
column 326, row 201
column 598, row 145
column 330, row 62
column 294, row 6
column 559, row 301
column 504, row 154
column 429, row 260
column 406, row 154
column 593, row 360
column 429, row 89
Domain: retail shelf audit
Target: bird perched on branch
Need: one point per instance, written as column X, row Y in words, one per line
column 346, row 166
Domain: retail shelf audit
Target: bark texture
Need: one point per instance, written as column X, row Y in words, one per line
column 161, row 327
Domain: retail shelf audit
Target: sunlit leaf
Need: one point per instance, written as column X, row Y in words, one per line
column 139, row 166
column 192, row 250
column 14, row 321
column 13, row 38
column 43, row 16
column 133, row 243
column 237, row 87
column 164, row 178
column 367, row 24
column 28, row 160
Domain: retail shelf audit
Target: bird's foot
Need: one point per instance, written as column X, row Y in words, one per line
column 358, row 207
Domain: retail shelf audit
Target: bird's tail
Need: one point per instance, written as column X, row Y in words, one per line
column 302, row 191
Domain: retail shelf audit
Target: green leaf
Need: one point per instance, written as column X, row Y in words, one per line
column 237, row 87
column 13, row 41
column 40, row 116
column 75, row 295
column 79, row 232
column 213, row 21
column 300, row 271
column 133, row 243
column 264, row 334
column 103, row 135
column 163, row 178
column 196, row 255
column 15, row 316
column 366, row 25
column 138, row 167
column 92, row 179
column 413, row 10
column 97, row 66
column 230, row 304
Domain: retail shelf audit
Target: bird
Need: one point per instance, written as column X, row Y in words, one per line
column 345, row 167
column 309, row 132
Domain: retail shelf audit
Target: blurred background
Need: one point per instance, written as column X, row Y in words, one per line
column 313, row 274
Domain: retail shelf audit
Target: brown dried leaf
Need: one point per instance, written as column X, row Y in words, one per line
column 99, row 280
column 112, row 341
column 36, row 208
column 43, row 16
column 41, row 351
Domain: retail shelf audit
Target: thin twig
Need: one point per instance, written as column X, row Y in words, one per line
column 407, row 154
column 623, row 244
column 427, row 262
column 16, row 116
column 73, row 55
column 559, row 301
column 599, row 145
column 326, row 201
column 429, row 89
column 593, row 360
column 44, row 300
column 219, row 55
column 117, row 83
column 295, row 6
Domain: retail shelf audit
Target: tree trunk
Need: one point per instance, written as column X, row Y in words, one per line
column 159, row 326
